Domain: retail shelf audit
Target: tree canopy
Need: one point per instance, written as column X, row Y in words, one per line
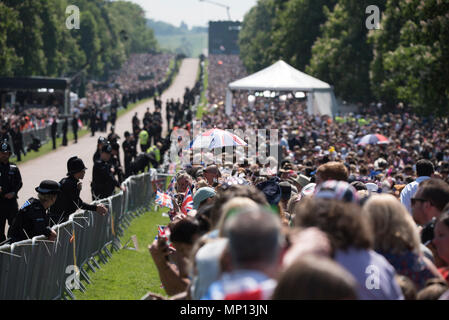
column 406, row 60
column 36, row 41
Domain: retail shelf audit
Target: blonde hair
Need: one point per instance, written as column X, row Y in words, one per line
column 202, row 184
column 233, row 205
column 393, row 228
column 46, row 197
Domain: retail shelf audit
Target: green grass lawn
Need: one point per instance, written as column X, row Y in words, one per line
column 48, row 147
column 129, row 274
column 202, row 105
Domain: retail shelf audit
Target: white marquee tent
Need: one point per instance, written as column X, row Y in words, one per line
column 282, row 77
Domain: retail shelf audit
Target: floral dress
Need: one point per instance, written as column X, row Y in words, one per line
column 411, row 265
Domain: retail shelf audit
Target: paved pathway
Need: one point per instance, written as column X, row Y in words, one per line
column 54, row 164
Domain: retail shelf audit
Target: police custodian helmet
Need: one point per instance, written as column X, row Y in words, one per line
column 74, row 165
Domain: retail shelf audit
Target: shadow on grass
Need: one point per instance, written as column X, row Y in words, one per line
column 129, row 274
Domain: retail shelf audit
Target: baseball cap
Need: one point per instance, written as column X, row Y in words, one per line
column 202, row 194
column 337, row 190
column 372, row 187
column 308, row 190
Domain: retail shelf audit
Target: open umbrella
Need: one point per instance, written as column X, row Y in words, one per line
column 373, row 139
column 216, row 138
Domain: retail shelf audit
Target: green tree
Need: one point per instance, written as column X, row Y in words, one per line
column 34, row 39
column 413, row 65
column 27, row 40
column 255, row 38
column 9, row 24
column 89, row 41
column 298, row 26
column 342, row 54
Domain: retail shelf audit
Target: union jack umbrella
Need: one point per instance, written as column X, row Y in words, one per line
column 187, row 203
column 216, row 138
column 164, row 200
column 373, row 139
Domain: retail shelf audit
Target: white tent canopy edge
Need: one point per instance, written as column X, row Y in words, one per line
column 283, row 77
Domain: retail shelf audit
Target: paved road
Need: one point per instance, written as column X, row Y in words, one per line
column 54, row 164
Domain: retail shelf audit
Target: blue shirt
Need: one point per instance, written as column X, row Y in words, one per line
column 374, row 274
column 409, row 191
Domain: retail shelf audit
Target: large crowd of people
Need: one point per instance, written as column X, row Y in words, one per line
column 334, row 218
column 329, row 217
column 141, row 76
column 243, row 234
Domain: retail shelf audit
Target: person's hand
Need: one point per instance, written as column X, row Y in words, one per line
column 80, row 185
column 123, row 188
column 112, row 170
column 10, row 195
column 154, row 296
column 159, row 250
column 53, row 235
column 102, row 209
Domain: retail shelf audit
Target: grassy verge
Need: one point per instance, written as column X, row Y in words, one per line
column 131, row 106
column 173, row 63
column 48, row 147
column 202, row 106
column 129, row 274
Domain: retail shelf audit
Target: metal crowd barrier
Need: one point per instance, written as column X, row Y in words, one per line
column 45, row 270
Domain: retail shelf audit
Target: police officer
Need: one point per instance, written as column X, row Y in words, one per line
column 54, row 128
column 103, row 180
column 115, row 161
column 168, row 113
column 155, row 151
column 68, row 200
column 10, row 184
column 17, row 142
column 144, row 137
column 75, row 127
column 112, row 136
column 65, row 128
column 32, row 219
column 129, row 150
column 100, row 143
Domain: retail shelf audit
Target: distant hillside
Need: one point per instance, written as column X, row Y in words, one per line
column 180, row 39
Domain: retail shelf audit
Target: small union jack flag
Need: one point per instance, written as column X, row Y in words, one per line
column 187, row 203
column 171, row 187
column 164, row 200
column 164, row 233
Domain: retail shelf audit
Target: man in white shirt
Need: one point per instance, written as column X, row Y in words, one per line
column 424, row 170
